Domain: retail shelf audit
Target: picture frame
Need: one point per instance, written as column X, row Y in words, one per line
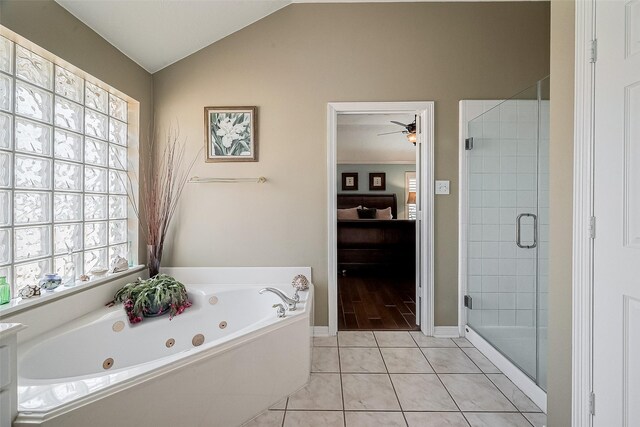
column 231, row 134
column 377, row 181
column 350, row 181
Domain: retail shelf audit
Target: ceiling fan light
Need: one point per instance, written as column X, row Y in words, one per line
column 412, row 138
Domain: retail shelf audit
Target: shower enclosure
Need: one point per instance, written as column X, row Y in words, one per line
column 507, row 227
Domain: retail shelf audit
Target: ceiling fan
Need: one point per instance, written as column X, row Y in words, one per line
column 409, row 130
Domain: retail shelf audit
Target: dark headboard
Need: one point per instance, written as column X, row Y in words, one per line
column 378, row 201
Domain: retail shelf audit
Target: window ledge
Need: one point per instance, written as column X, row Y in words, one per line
column 19, row 304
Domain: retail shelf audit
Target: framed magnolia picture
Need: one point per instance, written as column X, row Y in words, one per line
column 231, row 134
column 349, row 181
column 377, row 181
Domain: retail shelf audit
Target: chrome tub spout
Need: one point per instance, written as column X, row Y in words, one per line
column 291, row 302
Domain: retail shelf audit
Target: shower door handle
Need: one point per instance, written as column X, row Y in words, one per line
column 535, row 231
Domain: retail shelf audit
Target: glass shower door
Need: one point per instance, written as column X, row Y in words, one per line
column 504, row 227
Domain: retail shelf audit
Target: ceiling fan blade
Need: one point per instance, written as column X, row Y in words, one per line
column 398, row 123
column 389, row 133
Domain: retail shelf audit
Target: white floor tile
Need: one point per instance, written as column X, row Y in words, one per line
column 405, row 360
column 314, row 419
column 450, row 361
column 462, row 342
column 424, row 341
column 370, row 419
column 479, row 359
column 356, row 339
column 394, row 339
column 422, row 392
column 435, row 419
column 513, row 393
column 322, row 392
column 325, row 359
column 489, row 419
column 349, row 386
column 361, row 360
column 325, row 341
column 537, row 419
column 369, row 392
column 475, row 393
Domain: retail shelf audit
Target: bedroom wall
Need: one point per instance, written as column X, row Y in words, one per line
column 394, row 176
column 295, row 61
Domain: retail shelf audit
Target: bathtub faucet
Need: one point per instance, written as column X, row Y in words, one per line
column 291, row 302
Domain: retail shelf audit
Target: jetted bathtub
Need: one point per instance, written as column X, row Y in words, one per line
column 221, row 362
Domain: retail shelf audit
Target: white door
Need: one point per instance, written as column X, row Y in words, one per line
column 616, row 322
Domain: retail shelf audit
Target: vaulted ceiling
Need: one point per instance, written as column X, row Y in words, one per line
column 157, row 33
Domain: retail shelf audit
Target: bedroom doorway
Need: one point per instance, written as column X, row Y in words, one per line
column 380, row 170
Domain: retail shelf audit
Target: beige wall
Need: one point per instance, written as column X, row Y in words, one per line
column 51, row 27
column 291, row 64
column 561, row 211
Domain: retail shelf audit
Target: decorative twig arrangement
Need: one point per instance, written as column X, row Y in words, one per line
column 164, row 174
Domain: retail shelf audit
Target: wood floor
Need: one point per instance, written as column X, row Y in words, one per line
column 374, row 300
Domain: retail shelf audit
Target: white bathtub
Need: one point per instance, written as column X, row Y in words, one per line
column 98, row 370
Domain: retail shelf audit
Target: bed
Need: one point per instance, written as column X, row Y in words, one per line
column 386, row 243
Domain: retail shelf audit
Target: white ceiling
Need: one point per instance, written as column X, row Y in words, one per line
column 359, row 142
column 157, row 33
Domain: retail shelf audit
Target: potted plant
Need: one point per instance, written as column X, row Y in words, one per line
column 163, row 175
column 152, row 297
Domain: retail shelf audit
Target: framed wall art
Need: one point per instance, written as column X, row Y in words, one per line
column 231, row 134
column 377, row 181
column 350, row 181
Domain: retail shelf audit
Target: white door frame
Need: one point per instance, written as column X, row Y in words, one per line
column 425, row 132
column 583, row 210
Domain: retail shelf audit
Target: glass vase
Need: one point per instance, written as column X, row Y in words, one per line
column 5, row 291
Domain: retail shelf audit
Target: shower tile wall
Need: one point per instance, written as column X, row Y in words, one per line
column 504, row 182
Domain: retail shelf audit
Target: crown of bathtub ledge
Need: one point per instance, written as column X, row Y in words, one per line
column 236, row 275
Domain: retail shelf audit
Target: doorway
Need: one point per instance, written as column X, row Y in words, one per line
column 381, row 248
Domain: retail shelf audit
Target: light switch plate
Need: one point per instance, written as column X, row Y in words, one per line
column 442, row 187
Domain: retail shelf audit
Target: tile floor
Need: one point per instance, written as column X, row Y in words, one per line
column 363, row 379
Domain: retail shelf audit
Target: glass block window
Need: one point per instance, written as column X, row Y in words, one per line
column 63, row 170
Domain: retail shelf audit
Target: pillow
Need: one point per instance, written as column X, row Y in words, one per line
column 384, row 213
column 367, row 213
column 351, row 213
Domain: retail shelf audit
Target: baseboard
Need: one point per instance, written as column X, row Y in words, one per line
column 439, row 331
column 446, row 332
column 520, row 379
column 320, row 331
